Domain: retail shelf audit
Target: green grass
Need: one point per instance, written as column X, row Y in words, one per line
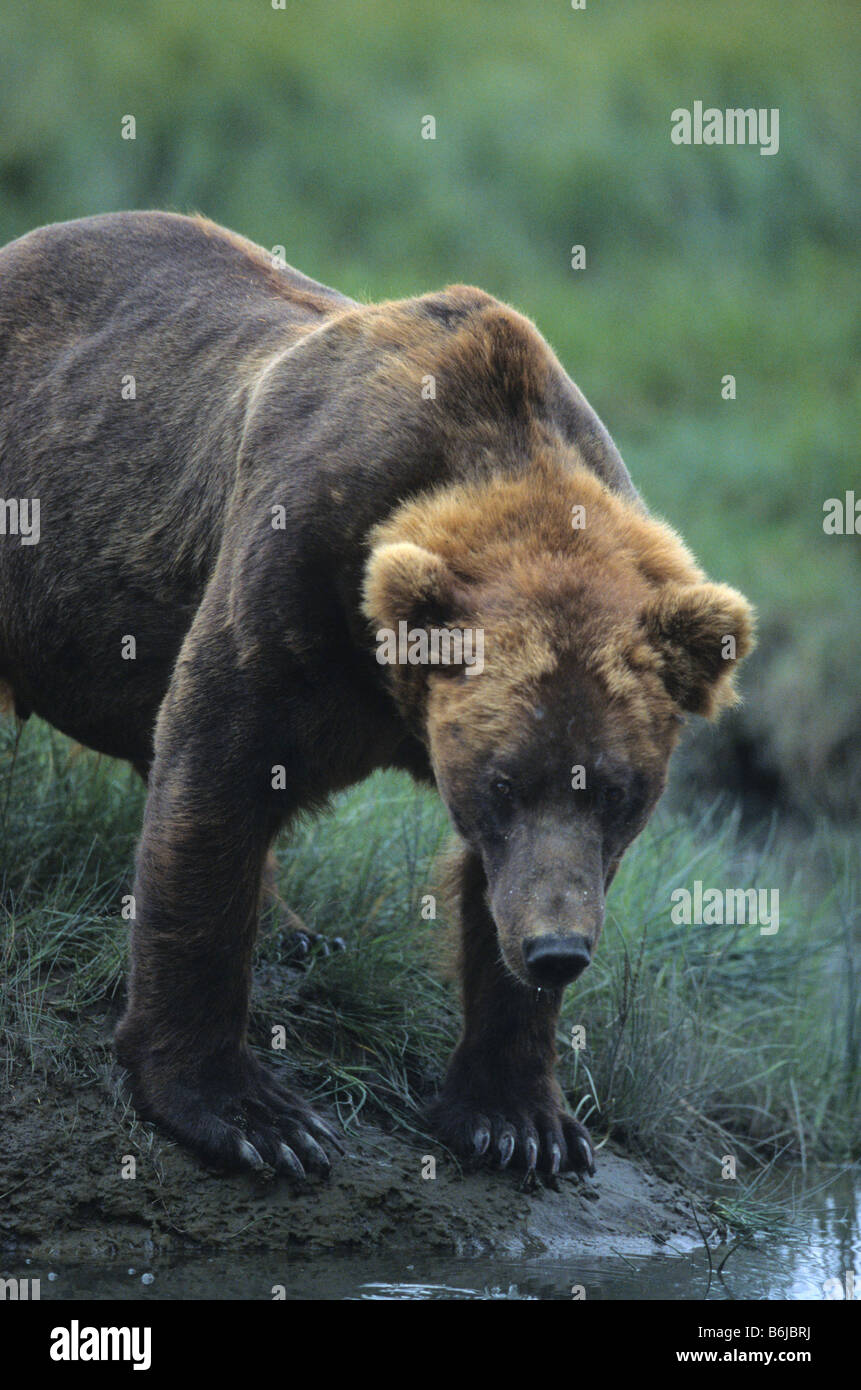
column 700, row 1041
column 717, row 1040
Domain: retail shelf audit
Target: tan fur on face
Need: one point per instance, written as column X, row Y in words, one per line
column 624, row 592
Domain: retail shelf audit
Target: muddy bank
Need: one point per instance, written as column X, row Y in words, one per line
column 62, row 1193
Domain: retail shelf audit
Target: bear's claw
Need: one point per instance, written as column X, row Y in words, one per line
column 587, row 1153
column 300, row 945
column 248, row 1154
column 505, row 1149
column 247, row 1122
column 288, row 1162
column 273, row 1137
column 542, row 1138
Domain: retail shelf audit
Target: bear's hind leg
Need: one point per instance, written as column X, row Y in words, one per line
column 300, row 943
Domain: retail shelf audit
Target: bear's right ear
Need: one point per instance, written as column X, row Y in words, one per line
column 406, row 583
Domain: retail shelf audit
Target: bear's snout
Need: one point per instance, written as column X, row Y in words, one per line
column 552, row 961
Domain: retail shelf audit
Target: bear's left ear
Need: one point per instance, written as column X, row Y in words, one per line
column 701, row 631
column 406, row 583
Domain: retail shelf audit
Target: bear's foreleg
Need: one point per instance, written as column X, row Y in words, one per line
column 501, row 1098
column 197, row 892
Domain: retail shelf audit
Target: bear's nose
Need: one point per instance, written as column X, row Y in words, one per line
column 555, row 960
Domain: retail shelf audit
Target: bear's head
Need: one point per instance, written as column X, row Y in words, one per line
column 588, row 632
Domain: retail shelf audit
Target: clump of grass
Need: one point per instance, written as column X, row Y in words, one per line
column 370, row 1027
column 67, row 827
column 707, row 1041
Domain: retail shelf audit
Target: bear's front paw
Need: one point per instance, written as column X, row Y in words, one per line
column 243, row 1120
column 534, row 1133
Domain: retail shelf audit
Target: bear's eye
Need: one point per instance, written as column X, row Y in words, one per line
column 502, row 790
column 612, row 799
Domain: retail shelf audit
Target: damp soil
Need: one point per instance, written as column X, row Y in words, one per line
column 64, row 1147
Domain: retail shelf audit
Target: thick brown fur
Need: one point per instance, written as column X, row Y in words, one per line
column 294, row 472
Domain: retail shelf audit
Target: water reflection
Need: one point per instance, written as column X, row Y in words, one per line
column 821, row 1261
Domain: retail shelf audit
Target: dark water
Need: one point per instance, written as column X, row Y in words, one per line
column 825, row 1247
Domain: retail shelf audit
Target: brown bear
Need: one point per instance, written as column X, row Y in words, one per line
column 245, row 481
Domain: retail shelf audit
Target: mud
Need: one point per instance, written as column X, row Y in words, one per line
column 63, row 1143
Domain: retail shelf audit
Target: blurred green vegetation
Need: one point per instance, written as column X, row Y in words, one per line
column 301, row 127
